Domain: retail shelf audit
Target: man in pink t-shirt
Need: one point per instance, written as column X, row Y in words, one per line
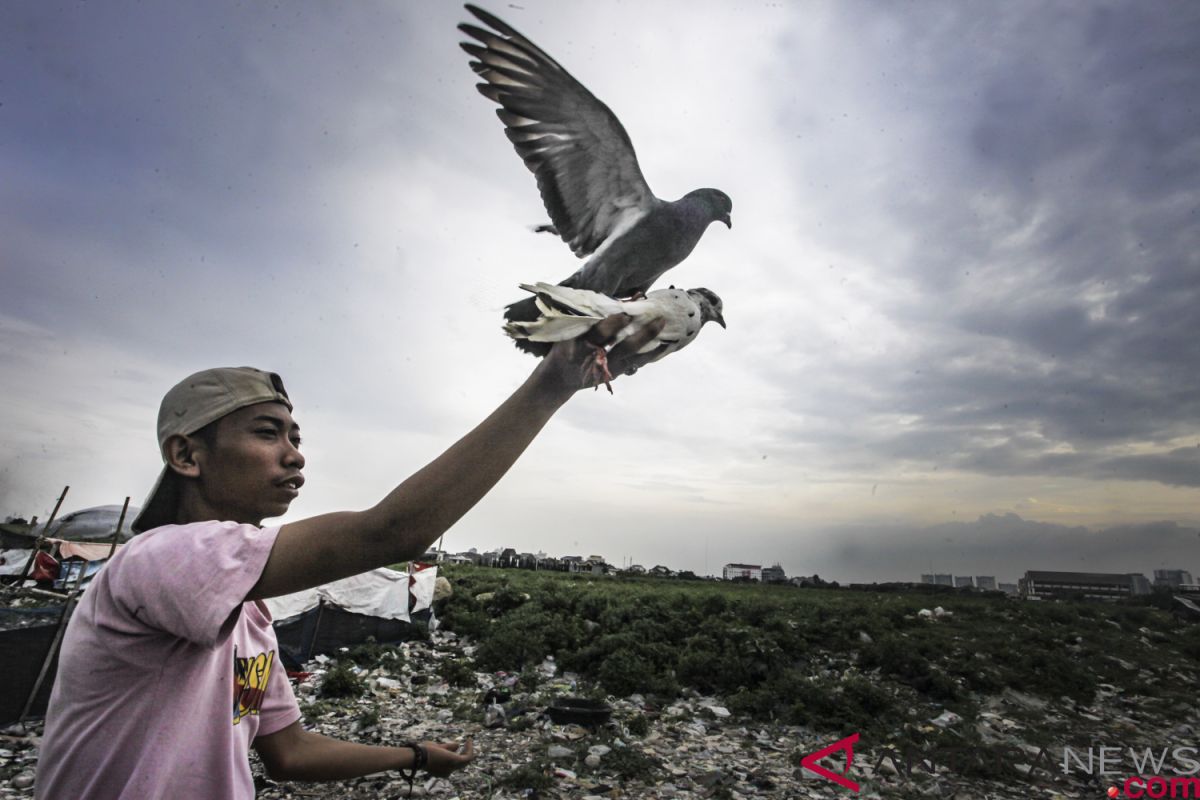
column 169, row 671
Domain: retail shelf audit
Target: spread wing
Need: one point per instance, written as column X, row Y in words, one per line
column 584, row 163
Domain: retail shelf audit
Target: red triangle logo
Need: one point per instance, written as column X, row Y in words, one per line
column 847, row 744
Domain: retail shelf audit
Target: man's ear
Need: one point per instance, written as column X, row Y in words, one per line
column 181, row 452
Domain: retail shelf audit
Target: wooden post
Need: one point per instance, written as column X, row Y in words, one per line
column 312, row 642
column 112, row 549
column 117, row 532
column 45, row 530
column 58, row 636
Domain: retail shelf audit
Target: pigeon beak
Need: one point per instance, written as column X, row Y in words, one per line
column 728, row 223
column 720, row 320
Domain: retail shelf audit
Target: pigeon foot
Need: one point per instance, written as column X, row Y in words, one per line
column 597, row 369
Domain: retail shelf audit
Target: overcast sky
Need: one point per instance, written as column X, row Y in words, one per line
column 962, row 284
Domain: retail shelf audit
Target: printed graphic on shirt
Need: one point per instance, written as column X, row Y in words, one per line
column 250, row 677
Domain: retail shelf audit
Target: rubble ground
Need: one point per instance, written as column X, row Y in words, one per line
column 718, row 691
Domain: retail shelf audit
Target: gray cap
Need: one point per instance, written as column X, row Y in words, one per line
column 191, row 404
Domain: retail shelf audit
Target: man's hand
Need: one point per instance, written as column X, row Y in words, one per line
column 447, row 758
column 567, row 367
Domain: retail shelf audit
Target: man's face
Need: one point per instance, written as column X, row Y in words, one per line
column 253, row 472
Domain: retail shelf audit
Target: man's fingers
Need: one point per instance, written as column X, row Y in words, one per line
column 464, row 751
column 601, row 334
column 624, row 358
column 646, row 334
column 638, row 340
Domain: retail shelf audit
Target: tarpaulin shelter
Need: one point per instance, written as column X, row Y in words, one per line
column 382, row 604
column 91, row 525
column 29, row 638
column 12, row 562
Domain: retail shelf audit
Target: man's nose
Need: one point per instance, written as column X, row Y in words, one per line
column 294, row 456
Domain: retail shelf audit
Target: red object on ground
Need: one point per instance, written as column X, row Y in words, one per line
column 45, row 568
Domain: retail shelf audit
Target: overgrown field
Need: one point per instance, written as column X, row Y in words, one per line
column 833, row 660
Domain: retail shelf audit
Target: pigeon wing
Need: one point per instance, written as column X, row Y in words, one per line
column 586, row 169
column 565, row 313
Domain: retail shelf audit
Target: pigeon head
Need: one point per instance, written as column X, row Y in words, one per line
column 716, row 203
column 710, row 305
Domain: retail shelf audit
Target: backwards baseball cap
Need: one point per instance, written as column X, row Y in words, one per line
column 191, row 404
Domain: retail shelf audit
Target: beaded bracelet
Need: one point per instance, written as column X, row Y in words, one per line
column 420, row 760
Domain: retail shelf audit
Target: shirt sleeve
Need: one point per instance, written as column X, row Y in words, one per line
column 279, row 708
column 190, row 580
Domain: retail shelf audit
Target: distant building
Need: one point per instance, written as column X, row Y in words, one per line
column 943, row 580
column 1010, row 588
column 985, row 582
column 1094, row 585
column 774, row 573
column 964, row 582
column 926, row 578
column 1173, row 578
column 636, row 569
column 595, row 565
column 659, row 571
column 752, row 572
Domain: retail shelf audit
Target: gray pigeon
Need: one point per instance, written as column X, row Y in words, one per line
column 586, row 171
column 567, row 313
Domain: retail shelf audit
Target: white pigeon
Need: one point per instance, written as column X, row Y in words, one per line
column 567, row 313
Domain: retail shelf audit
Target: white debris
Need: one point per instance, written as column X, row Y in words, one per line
column 946, row 719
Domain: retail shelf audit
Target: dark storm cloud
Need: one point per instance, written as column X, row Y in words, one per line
column 1043, row 243
column 164, row 155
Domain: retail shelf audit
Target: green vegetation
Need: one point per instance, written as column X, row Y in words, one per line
column 457, row 672
column 534, row 775
column 371, row 654
column 340, row 681
column 832, row 659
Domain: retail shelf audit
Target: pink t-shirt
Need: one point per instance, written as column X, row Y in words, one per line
column 166, row 675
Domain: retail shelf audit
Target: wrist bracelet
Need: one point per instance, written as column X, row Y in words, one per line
column 420, row 761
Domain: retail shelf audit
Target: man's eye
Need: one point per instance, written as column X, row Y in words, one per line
column 296, row 443
column 267, row 431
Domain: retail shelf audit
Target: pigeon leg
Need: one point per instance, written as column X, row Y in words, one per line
column 597, row 369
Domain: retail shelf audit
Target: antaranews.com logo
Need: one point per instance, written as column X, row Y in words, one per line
column 809, row 762
column 1099, row 762
column 1157, row 786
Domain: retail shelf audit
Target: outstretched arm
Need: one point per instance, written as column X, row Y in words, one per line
column 294, row 754
column 414, row 514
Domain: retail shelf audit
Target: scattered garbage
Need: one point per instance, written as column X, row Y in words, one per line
column 642, row 745
column 946, row 719
column 579, row 710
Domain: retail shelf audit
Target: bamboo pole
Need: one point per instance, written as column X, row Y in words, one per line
column 58, row 636
column 117, row 532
